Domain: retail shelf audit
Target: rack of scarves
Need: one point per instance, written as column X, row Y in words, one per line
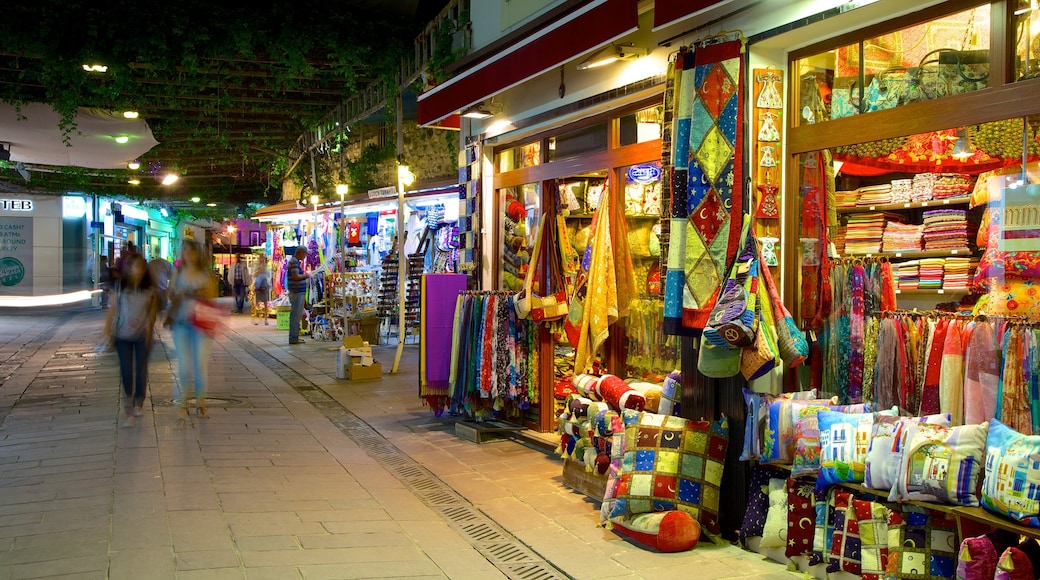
column 494, row 357
column 974, row 367
column 857, row 288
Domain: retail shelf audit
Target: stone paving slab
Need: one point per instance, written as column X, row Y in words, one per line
column 268, row 487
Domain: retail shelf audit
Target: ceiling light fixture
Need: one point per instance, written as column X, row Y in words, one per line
column 164, row 212
column 611, row 54
column 482, row 110
column 133, row 165
column 122, row 139
column 131, row 114
column 962, row 147
column 99, row 68
column 170, row 179
column 196, row 199
column 134, row 181
column 211, row 204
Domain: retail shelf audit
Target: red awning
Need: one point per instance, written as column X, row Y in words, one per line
column 666, row 11
column 593, row 25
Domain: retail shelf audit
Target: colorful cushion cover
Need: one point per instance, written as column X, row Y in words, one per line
column 922, row 545
column 1011, row 486
column 977, row 557
column 619, row 425
column 774, row 534
column 941, row 464
column 801, row 517
column 873, row 519
column 671, row 531
column 673, row 463
column 886, row 447
column 1018, row 562
column 757, row 503
column 845, row 547
column 824, row 530
column 844, row 441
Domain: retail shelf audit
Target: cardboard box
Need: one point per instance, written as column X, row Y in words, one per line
column 354, row 341
column 356, row 372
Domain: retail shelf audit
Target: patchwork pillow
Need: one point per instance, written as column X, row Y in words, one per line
column 845, row 547
column 673, row 463
column 941, row 464
column 888, row 437
column 977, row 557
column 844, row 442
column 671, row 531
column 671, row 394
column 774, row 534
column 801, row 517
column 757, row 503
column 824, row 529
column 1016, row 564
column 1011, row 486
column 618, row 425
column 778, row 440
column 922, row 544
column 873, row 519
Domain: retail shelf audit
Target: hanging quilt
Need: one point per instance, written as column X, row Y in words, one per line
column 707, row 182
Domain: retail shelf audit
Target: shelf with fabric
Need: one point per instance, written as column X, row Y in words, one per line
column 905, row 205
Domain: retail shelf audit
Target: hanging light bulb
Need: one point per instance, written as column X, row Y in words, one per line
column 962, row 147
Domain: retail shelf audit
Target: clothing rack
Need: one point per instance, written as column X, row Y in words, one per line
column 486, row 293
column 1012, row 319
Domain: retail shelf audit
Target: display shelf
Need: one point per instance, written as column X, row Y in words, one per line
column 588, row 216
column 933, row 291
column 906, row 205
column 914, row 254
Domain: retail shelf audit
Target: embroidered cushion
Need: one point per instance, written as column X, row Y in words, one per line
column 873, row 519
column 801, row 517
column 673, row 463
column 1011, row 486
column 921, row 545
column 941, row 464
column 845, row 547
column 886, row 447
column 671, row 531
column 774, row 534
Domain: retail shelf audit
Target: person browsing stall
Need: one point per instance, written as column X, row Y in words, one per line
column 297, row 290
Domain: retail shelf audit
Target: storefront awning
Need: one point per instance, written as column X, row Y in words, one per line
column 593, row 25
column 668, row 11
column 288, row 211
column 279, row 208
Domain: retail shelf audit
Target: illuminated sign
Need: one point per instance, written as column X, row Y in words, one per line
column 647, row 173
column 134, row 212
column 383, row 192
column 16, row 205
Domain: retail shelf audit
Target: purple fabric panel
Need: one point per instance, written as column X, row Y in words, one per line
column 439, row 313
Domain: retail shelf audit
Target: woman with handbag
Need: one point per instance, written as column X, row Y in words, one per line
column 129, row 327
column 191, row 288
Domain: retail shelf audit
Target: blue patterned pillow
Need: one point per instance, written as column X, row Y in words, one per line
column 1011, row 486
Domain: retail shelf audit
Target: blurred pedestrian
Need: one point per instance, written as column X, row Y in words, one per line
column 130, row 327
column 261, row 290
column 239, row 284
column 191, row 282
column 160, row 270
column 105, row 275
column 297, row 290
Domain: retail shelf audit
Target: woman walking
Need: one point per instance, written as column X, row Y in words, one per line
column 130, row 326
column 191, row 283
column 261, row 289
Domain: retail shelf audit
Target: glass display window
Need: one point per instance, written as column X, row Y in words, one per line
column 579, row 142
column 519, row 157
column 641, row 126
column 1026, row 29
column 521, row 214
column 945, row 56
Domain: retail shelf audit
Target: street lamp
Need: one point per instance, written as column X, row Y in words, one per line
column 314, row 200
column 234, row 240
column 404, row 178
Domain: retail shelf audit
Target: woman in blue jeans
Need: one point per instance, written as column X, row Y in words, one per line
column 129, row 327
column 191, row 282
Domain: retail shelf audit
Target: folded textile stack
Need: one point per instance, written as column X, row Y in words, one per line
column 874, row 195
column 902, row 190
column 923, row 185
column 945, row 229
column 950, row 185
column 902, row 237
column 906, row 275
column 864, row 232
column 839, row 240
column 846, row 198
column 930, row 273
column 958, row 273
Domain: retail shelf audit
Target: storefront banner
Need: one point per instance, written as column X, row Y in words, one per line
column 16, row 255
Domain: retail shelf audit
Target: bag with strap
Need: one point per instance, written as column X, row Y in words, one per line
column 552, row 306
column 762, row 356
column 732, row 322
column 790, row 339
column 206, row 316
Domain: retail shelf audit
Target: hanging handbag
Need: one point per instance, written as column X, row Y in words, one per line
column 732, row 322
column 761, row 357
column 206, row 316
column 790, row 340
column 553, row 306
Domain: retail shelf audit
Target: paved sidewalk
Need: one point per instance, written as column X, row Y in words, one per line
column 296, row 475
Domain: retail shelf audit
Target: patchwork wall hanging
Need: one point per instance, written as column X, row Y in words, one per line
column 707, row 181
column 469, row 208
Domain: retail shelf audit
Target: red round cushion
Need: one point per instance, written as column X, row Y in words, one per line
column 671, row 531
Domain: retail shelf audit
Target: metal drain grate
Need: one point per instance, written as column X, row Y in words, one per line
column 501, row 548
column 210, row 402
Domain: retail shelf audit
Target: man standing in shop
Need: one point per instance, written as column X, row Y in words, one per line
column 297, row 289
column 239, row 283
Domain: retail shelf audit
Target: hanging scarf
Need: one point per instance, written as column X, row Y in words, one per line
column 951, row 373
column 981, row 374
column 933, row 368
column 857, row 282
column 886, row 369
column 870, row 356
column 888, row 288
column 1013, row 405
column 1032, row 375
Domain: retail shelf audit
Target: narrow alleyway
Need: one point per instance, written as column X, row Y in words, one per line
column 295, row 475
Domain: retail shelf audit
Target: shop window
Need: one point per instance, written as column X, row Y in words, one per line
column 1027, row 39
column 587, row 140
column 641, row 126
column 527, row 155
column 522, row 212
column 943, row 57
